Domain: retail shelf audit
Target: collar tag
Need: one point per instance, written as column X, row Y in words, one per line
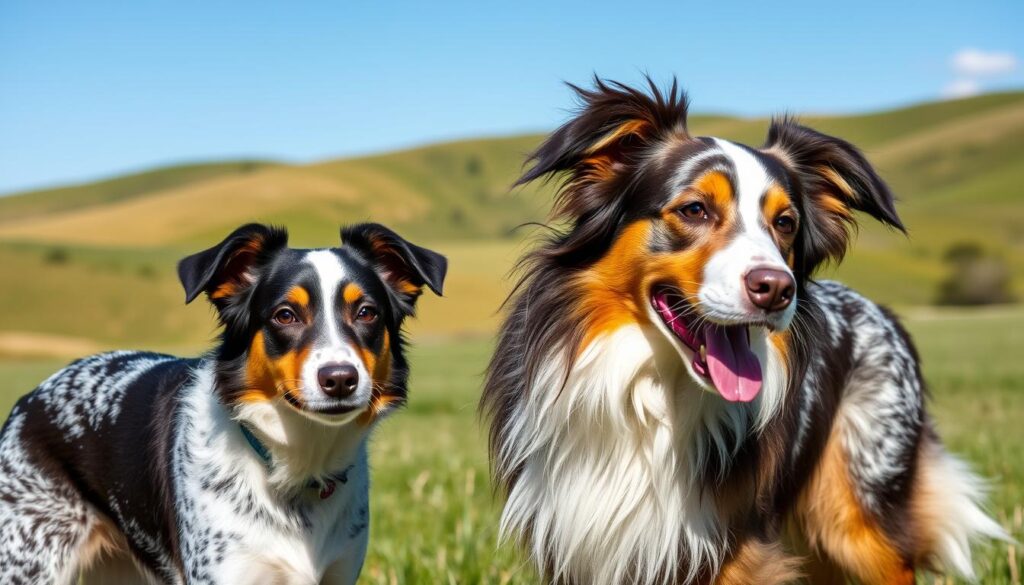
column 327, row 489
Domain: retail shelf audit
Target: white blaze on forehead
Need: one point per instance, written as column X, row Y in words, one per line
column 330, row 273
column 751, row 182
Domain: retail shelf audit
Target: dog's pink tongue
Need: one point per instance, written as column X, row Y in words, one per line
column 733, row 366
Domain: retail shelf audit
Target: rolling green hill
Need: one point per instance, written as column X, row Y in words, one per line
column 957, row 166
column 34, row 204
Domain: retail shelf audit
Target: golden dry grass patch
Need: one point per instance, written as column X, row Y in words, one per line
column 977, row 131
column 169, row 216
column 30, row 344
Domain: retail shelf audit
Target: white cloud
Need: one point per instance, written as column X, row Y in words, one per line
column 961, row 88
column 978, row 63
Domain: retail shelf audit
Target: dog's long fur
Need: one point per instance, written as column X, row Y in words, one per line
column 620, row 462
column 135, row 467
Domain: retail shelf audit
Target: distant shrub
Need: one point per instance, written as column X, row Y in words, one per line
column 975, row 277
column 963, row 252
column 147, row 271
column 57, row 255
column 457, row 216
column 473, row 166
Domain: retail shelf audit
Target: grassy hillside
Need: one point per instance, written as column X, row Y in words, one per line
column 98, row 258
column 36, row 204
column 955, row 164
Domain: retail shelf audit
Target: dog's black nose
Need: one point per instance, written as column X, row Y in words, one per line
column 770, row 289
column 338, row 381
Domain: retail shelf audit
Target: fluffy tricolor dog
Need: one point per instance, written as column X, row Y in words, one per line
column 245, row 466
column 673, row 399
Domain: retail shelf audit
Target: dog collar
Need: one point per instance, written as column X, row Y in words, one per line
column 260, row 449
column 326, row 486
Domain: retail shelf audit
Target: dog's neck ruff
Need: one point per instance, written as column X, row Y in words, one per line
column 325, row 485
column 607, row 471
column 299, row 448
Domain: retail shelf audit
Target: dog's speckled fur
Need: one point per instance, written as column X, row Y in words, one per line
column 133, row 467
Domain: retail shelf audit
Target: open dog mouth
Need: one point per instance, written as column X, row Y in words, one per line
column 335, row 409
column 721, row 353
column 323, row 408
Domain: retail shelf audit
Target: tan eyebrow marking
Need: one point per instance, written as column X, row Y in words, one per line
column 298, row 296
column 717, row 185
column 775, row 200
column 351, row 293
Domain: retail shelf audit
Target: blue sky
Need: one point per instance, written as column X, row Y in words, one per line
column 89, row 89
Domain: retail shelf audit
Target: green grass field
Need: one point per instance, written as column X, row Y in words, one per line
column 433, row 516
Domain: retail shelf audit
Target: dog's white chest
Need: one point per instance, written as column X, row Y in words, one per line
column 235, row 528
column 321, row 541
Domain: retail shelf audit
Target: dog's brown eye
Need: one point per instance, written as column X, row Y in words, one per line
column 785, row 224
column 285, row 316
column 694, row 211
column 366, row 314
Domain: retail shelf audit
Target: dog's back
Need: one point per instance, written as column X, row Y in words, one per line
column 125, row 466
column 91, row 443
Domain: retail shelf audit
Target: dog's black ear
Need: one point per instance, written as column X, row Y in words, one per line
column 404, row 266
column 835, row 179
column 610, row 133
column 228, row 268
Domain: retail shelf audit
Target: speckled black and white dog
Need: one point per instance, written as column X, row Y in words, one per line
column 247, row 465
